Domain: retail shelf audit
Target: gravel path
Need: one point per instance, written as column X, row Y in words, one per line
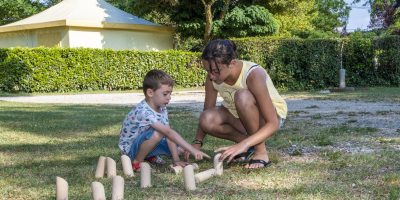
column 381, row 115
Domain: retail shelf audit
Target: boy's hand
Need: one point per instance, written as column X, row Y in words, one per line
column 186, row 155
column 198, row 155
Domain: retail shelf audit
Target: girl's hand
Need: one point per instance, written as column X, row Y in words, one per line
column 231, row 151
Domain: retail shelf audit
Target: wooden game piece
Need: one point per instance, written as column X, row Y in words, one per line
column 176, row 169
column 202, row 176
column 101, row 165
column 117, row 188
column 218, row 165
column 127, row 166
column 98, row 191
column 195, row 166
column 188, row 177
column 145, row 175
column 111, row 167
column 61, row 189
column 179, row 169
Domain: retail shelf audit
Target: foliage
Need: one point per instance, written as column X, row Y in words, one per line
column 246, row 22
column 53, row 69
column 387, row 50
column 384, row 13
column 236, row 18
column 289, row 22
column 294, row 64
column 395, row 28
column 314, row 34
column 331, row 15
column 297, row 64
column 190, row 44
column 11, row 11
column 358, row 57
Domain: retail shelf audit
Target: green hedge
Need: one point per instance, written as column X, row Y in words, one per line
column 55, row 69
column 293, row 64
column 297, row 64
column 387, row 51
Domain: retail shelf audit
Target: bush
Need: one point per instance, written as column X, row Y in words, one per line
column 298, row 64
column 293, row 64
column 62, row 70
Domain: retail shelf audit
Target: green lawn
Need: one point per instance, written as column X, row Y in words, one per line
column 41, row 141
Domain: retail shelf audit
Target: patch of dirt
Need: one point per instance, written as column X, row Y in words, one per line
column 380, row 116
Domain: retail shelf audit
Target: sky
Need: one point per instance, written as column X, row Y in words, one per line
column 359, row 17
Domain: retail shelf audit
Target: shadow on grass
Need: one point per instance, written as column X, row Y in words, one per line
column 60, row 120
column 95, row 143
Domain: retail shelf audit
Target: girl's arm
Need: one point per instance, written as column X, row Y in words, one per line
column 256, row 82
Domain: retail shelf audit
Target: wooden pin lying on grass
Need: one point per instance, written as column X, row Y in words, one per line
column 117, row 188
column 98, row 191
column 127, row 166
column 192, row 179
column 217, row 170
column 145, row 175
column 204, row 175
column 111, row 167
column 178, row 169
column 61, row 189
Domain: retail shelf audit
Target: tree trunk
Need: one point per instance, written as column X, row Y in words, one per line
column 225, row 9
column 209, row 19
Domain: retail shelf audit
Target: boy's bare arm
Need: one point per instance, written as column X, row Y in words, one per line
column 174, row 150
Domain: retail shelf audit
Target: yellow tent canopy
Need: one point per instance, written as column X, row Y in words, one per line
column 86, row 23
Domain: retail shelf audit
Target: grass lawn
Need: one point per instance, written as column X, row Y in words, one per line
column 41, row 141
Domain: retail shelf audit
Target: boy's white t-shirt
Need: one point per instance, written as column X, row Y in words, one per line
column 138, row 121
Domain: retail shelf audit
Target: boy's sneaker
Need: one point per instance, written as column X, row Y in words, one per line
column 155, row 160
column 136, row 166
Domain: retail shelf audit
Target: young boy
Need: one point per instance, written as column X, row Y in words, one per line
column 145, row 132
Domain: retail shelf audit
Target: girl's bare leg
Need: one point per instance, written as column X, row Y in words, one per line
column 219, row 122
column 252, row 120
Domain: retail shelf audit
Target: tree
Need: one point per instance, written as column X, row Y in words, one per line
column 331, row 15
column 293, row 16
column 384, row 13
column 245, row 22
column 14, row 10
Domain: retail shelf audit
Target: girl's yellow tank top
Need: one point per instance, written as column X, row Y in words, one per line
column 227, row 92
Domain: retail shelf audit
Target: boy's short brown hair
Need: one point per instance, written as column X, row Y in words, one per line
column 155, row 78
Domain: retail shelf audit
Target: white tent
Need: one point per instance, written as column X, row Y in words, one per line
column 86, row 23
